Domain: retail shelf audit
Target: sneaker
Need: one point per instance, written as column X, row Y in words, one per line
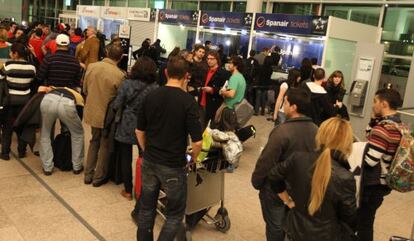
column 77, row 172
column 47, row 173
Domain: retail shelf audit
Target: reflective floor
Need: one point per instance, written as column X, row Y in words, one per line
column 60, row 207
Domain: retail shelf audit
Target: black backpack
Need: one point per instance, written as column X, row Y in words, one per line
column 246, row 132
column 62, row 151
column 102, row 52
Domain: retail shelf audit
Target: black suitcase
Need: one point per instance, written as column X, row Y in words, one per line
column 62, row 151
column 246, row 132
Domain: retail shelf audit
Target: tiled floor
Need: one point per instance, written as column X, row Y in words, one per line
column 28, row 211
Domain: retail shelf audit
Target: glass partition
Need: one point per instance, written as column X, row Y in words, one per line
column 340, row 55
column 117, row 3
column 407, row 117
column 293, row 48
column 184, row 5
column 235, row 42
column 176, row 36
column 394, row 74
column 137, row 3
column 296, row 8
column 362, row 14
column 215, row 6
column 398, row 31
column 85, row 21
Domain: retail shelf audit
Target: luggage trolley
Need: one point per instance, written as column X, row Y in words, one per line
column 205, row 189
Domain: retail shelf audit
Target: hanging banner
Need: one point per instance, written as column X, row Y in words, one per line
column 114, row 12
column 178, row 17
column 139, row 14
column 296, row 24
column 89, row 11
column 226, row 19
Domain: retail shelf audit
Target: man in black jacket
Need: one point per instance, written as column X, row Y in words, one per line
column 296, row 134
column 321, row 109
column 210, row 98
column 168, row 115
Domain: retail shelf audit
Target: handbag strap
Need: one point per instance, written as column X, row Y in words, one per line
column 138, row 93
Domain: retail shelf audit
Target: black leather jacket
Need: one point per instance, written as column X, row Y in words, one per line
column 335, row 220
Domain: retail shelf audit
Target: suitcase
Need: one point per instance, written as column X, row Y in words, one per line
column 62, row 151
column 246, row 132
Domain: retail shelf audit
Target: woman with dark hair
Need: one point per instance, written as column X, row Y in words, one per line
column 210, row 98
column 335, row 88
column 131, row 94
column 143, row 51
column 291, row 82
column 19, row 75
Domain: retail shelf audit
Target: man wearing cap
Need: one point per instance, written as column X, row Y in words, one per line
column 62, row 72
column 61, row 69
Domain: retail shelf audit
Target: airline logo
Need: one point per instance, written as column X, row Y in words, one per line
column 262, row 22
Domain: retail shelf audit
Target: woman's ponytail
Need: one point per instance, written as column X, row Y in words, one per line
column 320, row 180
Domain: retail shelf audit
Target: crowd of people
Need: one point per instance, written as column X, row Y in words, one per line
column 306, row 189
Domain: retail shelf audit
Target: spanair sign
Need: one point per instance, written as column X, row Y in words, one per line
column 90, row 11
column 226, row 19
column 313, row 25
column 178, row 17
column 114, row 12
column 139, row 14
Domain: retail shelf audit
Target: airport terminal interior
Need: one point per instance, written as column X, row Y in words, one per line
column 369, row 44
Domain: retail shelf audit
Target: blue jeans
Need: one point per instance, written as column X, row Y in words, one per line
column 55, row 107
column 274, row 212
column 261, row 96
column 174, row 183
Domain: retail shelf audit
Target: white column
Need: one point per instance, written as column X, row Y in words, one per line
column 254, row 6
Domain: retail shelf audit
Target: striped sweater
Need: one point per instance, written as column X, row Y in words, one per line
column 19, row 76
column 383, row 141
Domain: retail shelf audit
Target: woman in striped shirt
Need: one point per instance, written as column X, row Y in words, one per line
column 19, row 75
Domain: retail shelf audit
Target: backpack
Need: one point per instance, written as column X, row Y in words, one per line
column 251, row 69
column 401, row 173
column 246, row 132
column 102, row 52
column 62, row 151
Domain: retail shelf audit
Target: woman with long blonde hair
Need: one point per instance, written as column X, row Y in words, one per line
column 321, row 186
